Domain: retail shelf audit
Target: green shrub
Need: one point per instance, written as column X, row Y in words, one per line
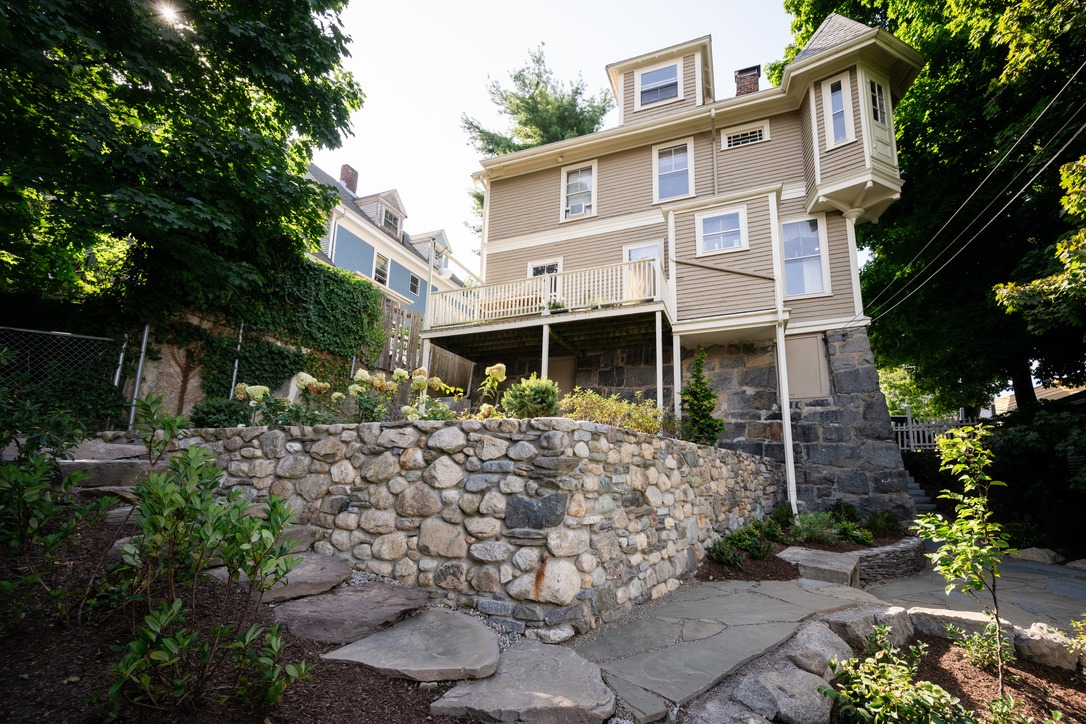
column 639, row 415
column 844, row 511
column 219, row 412
column 698, row 403
column 782, row 515
column 979, row 648
column 749, row 539
column 820, row 528
column 882, row 688
column 532, row 397
column 853, row 533
column 725, row 553
column 771, row 530
column 883, row 524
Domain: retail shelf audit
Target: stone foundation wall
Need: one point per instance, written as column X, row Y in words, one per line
column 897, row 560
column 545, row 524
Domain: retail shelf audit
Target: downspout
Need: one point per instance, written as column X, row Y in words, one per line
column 782, row 360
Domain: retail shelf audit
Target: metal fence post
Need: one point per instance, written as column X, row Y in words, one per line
column 120, row 363
column 237, row 356
column 139, row 377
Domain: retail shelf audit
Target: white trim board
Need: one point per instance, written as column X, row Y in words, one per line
column 576, row 231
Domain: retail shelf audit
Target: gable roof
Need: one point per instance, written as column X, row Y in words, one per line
column 325, row 179
column 390, row 197
column 834, row 30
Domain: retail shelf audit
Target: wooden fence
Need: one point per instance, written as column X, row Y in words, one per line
column 403, row 348
column 919, row 435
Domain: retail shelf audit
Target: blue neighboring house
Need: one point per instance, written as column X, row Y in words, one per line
column 366, row 236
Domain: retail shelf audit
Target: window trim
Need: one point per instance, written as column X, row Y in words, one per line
column 692, row 191
column 388, row 268
column 699, row 230
column 823, row 241
column 387, row 214
column 641, row 245
column 415, row 281
column 735, row 130
column 827, row 110
column 594, row 165
column 543, row 262
column 678, row 63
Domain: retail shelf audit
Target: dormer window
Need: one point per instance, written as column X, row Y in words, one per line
column 390, row 222
column 659, row 84
column 578, row 191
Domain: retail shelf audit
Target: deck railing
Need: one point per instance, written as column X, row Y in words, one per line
column 634, row 282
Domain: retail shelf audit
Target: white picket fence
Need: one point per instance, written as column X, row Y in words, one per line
column 919, row 435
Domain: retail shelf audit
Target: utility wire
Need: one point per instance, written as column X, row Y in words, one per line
column 990, row 221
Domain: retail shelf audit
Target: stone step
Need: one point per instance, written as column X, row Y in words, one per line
column 109, row 473
column 435, row 645
column 839, row 568
column 534, row 682
column 349, row 613
column 314, row 574
column 924, row 507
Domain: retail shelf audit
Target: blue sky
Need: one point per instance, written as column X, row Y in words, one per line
column 423, row 63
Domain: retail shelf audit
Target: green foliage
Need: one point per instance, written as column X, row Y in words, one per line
column 725, row 554
column 853, row 533
column 494, row 376
column 818, row 528
column 638, row 415
column 219, row 412
column 771, row 530
column 185, row 137
column 980, row 647
column 903, row 391
column 155, row 427
column 532, row 397
column 844, row 511
column 782, row 515
column 881, row 688
column 1005, row 710
column 1078, row 639
column 973, row 544
column 883, row 524
column 750, row 540
column 698, row 403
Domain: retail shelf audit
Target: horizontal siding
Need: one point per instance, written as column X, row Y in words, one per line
column 808, row 152
column 399, row 280
column 703, row 293
column 690, row 90
column 847, row 160
column 352, row 253
column 839, row 303
column 524, row 204
column 776, row 161
column 599, row 250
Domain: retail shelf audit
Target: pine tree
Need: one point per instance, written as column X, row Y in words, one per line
column 698, row 402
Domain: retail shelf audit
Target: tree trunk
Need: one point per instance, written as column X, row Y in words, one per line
column 1022, row 381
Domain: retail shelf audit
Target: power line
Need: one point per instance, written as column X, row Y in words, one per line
column 990, row 221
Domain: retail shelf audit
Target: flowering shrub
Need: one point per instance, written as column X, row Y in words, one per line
column 639, row 415
column 372, row 393
column 495, row 375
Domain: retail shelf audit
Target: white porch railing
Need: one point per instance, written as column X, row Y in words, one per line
column 920, row 435
column 634, row 282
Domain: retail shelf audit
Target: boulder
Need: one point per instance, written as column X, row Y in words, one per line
column 814, row 646
column 1039, row 555
column 933, row 621
column 349, row 612
column 786, row 695
column 1044, row 645
column 314, row 574
column 854, row 625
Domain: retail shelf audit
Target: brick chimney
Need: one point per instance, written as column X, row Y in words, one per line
column 746, row 80
column 349, row 177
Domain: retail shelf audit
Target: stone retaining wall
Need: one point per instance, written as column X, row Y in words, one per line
column 897, row 560
column 546, row 524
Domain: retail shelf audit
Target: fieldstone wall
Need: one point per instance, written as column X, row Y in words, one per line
column 897, row 560
column 546, row 524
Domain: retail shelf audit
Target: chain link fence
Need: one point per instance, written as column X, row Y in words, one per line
column 74, row 371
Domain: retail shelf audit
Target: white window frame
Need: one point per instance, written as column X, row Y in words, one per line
column 827, row 110
column 627, row 248
column 385, row 215
column 689, row 142
column 699, row 231
column 762, row 125
column 388, row 268
column 678, row 63
column 414, row 281
column 594, row 164
column 824, row 245
column 544, row 262
column 873, row 99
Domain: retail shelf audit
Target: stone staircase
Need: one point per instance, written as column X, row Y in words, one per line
column 921, row 500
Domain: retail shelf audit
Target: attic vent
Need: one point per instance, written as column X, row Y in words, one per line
column 745, row 135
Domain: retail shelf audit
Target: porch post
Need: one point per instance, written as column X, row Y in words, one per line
column 545, row 365
column 677, row 373
column 660, row 361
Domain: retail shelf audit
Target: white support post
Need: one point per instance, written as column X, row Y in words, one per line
column 545, row 366
column 677, row 373
column 660, row 361
column 786, row 419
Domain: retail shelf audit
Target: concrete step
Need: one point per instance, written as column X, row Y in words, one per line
column 924, row 507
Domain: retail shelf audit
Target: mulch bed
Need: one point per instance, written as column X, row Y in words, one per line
column 1038, row 689
column 50, row 672
column 770, row 569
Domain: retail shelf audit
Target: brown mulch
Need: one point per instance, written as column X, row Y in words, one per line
column 1038, row 689
column 51, row 672
column 770, row 569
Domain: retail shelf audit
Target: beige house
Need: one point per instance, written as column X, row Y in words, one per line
column 609, row 259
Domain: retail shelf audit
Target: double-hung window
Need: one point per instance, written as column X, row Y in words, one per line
column 837, row 110
column 673, row 170
column 578, row 191
column 658, row 85
column 805, row 264
column 390, row 222
column 380, row 270
column 414, row 285
column 721, row 230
